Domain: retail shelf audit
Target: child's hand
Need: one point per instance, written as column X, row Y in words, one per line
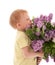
column 39, row 60
column 40, row 54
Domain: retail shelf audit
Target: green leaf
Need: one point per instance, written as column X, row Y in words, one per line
column 30, row 34
column 33, row 18
column 54, row 45
column 49, row 26
column 45, row 56
column 37, row 29
column 53, row 52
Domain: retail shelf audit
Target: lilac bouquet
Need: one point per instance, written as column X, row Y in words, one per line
column 42, row 34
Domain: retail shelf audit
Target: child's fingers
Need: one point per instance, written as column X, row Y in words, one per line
column 39, row 59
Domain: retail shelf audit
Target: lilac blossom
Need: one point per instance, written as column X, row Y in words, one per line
column 51, row 32
column 50, row 15
column 36, row 20
column 41, row 17
column 37, row 33
column 47, row 60
column 39, row 28
column 39, row 24
column 45, row 18
column 37, row 44
column 49, row 18
column 47, row 36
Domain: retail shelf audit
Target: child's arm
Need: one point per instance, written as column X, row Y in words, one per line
column 29, row 54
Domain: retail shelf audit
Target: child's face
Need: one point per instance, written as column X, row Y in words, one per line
column 25, row 22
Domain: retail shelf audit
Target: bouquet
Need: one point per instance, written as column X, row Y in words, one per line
column 42, row 35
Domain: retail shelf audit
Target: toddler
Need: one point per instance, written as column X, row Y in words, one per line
column 24, row 55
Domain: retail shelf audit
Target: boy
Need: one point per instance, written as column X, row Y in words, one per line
column 24, row 55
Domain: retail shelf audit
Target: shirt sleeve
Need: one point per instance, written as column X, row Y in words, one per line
column 22, row 41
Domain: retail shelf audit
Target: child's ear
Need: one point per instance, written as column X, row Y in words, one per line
column 18, row 24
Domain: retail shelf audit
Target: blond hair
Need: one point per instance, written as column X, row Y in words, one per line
column 15, row 17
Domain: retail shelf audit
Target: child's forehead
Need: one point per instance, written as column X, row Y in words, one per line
column 25, row 15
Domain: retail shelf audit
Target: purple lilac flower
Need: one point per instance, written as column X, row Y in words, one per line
column 50, row 15
column 37, row 44
column 45, row 18
column 40, row 41
column 46, row 36
column 36, row 20
column 41, row 17
column 34, row 42
column 47, row 60
column 49, row 18
column 39, row 24
column 51, row 32
column 37, row 33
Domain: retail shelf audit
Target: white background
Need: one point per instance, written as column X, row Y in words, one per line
column 7, row 34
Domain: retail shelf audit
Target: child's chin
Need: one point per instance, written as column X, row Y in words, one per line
column 28, row 26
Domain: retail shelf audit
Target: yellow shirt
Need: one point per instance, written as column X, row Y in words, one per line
column 22, row 40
